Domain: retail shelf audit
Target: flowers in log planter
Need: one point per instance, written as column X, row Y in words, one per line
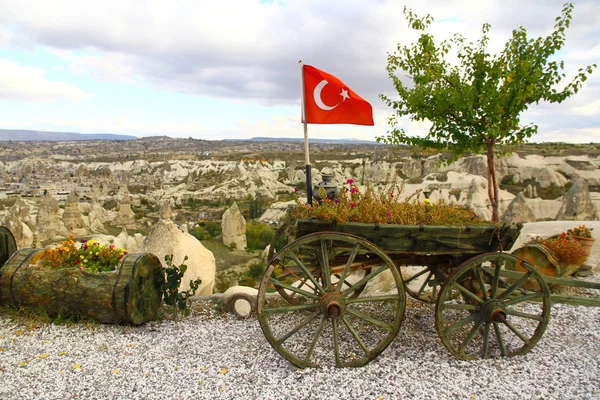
column 385, row 207
column 89, row 255
column 581, row 231
column 567, row 250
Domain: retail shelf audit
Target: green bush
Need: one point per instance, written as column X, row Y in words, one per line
column 259, row 236
column 206, row 230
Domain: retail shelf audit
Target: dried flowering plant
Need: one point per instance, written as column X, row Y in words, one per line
column 567, row 250
column 581, row 231
column 90, row 256
column 385, row 207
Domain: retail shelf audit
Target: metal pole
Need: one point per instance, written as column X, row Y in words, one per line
column 306, row 155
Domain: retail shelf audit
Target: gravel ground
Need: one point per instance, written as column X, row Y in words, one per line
column 210, row 355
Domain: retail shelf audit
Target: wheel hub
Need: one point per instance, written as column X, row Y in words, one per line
column 493, row 311
column 333, row 304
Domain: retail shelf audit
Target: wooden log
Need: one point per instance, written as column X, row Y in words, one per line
column 130, row 294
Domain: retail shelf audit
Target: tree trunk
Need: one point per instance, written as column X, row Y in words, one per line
column 131, row 294
column 492, row 182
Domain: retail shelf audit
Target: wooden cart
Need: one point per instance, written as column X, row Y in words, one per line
column 336, row 294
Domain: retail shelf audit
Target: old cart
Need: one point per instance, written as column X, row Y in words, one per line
column 336, row 294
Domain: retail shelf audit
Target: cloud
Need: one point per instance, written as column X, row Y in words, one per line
column 248, row 51
column 29, row 84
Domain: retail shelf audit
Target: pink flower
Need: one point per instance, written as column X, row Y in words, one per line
column 336, row 200
column 81, row 267
column 296, row 189
column 350, row 181
column 391, row 194
column 389, row 215
column 353, row 190
column 352, row 205
column 83, row 240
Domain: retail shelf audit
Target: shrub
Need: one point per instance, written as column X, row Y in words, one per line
column 171, row 294
column 385, row 207
column 581, row 230
column 258, row 235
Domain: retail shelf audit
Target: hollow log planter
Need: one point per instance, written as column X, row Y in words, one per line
column 130, row 294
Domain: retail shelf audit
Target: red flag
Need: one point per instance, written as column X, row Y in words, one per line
column 329, row 101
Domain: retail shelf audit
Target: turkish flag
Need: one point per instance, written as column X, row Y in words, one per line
column 329, row 101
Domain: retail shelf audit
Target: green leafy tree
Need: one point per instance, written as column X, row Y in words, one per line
column 475, row 106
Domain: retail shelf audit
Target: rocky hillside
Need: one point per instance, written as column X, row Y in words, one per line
column 123, row 184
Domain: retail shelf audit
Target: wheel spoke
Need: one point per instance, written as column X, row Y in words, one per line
column 527, row 297
column 415, row 276
column 370, row 319
column 486, row 341
column 461, row 306
column 396, row 297
column 470, row 336
column 307, row 272
column 424, row 284
column 364, row 280
column 500, row 339
column 315, row 340
column 524, row 315
column 515, row 286
column 299, row 279
column 336, row 345
column 347, row 267
column 495, row 280
column 298, row 307
column 301, row 325
column 293, row 289
column 517, row 332
column 461, row 323
column 468, row 293
column 355, row 335
column 481, row 284
column 326, row 270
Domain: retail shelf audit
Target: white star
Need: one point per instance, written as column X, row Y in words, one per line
column 344, row 94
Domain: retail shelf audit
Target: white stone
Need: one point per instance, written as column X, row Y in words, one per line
column 166, row 238
column 234, row 228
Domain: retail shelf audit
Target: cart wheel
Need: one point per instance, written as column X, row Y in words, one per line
column 279, row 236
column 479, row 314
column 423, row 282
column 328, row 323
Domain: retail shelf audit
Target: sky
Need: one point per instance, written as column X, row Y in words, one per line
column 229, row 69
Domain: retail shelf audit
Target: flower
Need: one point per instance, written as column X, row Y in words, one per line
column 91, row 256
column 350, row 181
column 581, row 231
column 566, row 250
column 296, row 189
column 379, row 206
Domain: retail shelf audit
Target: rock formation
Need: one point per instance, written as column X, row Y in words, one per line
column 577, row 203
column 234, row 228
column 166, row 238
column 72, row 217
column 48, row 222
column 166, row 212
column 19, row 222
column 125, row 216
column 518, row 211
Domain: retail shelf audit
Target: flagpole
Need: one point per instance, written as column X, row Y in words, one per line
column 306, row 156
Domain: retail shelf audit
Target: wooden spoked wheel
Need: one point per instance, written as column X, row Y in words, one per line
column 480, row 314
column 347, row 305
column 422, row 282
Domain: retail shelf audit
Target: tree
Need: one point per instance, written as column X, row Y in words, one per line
column 475, row 106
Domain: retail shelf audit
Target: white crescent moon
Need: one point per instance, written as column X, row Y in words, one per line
column 317, row 97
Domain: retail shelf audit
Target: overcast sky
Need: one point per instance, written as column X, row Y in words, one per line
column 229, row 68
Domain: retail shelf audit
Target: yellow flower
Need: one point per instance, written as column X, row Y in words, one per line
column 427, row 201
column 85, row 260
column 82, row 257
column 97, row 253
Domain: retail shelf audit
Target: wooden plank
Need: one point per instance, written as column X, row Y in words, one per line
column 550, row 279
column 425, row 239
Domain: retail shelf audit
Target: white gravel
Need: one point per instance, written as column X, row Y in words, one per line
column 214, row 356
